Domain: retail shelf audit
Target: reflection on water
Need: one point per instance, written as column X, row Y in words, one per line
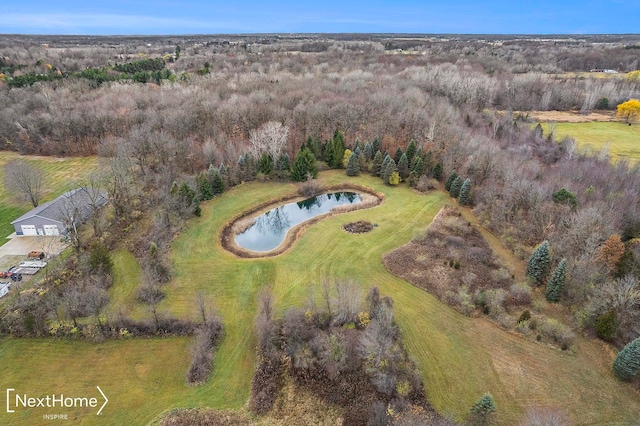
column 270, row 228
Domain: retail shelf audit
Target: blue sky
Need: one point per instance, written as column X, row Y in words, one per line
column 284, row 16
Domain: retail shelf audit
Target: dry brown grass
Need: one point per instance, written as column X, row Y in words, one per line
column 571, row 116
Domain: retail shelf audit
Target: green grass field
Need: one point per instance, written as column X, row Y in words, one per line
column 622, row 140
column 459, row 358
column 60, row 175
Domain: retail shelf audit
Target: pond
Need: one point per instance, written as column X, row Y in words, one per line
column 269, row 229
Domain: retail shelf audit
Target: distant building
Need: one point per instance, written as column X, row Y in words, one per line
column 56, row 216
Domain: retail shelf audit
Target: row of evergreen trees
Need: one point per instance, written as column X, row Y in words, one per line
column 458, row 188
column 539, row 267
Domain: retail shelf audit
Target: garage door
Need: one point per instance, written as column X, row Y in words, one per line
column 51, row 230
column 29, row 230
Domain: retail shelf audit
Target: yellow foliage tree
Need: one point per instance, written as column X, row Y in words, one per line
column 629, row 111
column 634, row 76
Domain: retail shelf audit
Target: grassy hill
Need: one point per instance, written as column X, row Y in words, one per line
column 460, row 358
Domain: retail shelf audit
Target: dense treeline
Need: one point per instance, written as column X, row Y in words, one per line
column 168, row 146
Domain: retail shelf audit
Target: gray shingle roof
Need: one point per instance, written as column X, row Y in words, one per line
column 56, row 210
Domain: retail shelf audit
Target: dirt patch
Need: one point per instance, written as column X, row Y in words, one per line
column 359, row 227
column 450, row 254
column 370, row 198
column 571, row 116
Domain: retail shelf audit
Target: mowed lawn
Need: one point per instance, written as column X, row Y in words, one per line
column 60, row 175
column 621, row 140
column 459, row 358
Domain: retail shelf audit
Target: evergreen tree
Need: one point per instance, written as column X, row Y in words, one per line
column 464, row 199
column 345, row 158
column 368, row 152
column 356, row 146
column 248, row 167
column 338, row 149
column 539, row 263
column 403, row 167
column 437, row 171
column 411, row 151
column 483, row 411
column 353, row 167
column 283, row 165
column 556, row 283
column 397, row 155
column 416, row 171
column 627, row 363
column 376, row 166
column 100, row 259
column 394, row 178
column 328, row 152
column 375, row 146
column 265, row 164
column 384, row 165
column 204, row 186
column 305, row 162
column 456, row 186
column 217, row 183
column 450, row 179
column 388, row 170
column 427, row 159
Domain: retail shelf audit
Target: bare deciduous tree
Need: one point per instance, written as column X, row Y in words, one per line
column 24, row 179
column 271, row 138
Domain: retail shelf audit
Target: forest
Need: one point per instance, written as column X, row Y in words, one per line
column 177, row 121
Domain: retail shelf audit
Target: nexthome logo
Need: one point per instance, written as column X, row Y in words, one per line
column 16, row 401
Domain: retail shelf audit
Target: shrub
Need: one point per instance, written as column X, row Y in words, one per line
column 520, row 294
column 557, row 332
column 607, row 325
column 627, row 363
column 426, row 184
column 100, row 259
column 565, row 197
column 202, row 351
column 525, row 316
column 309, row 188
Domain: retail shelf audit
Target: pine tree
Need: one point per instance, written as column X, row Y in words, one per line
column 384, row 165
column 204, row 186
column 464, row 199
column 397, row 155
column 416, row 171
column 411, row 151
column 353, row 167
column 265, row 164
column 305, row 162
column 627, row 363
column 368, row 151
column 450, row 179
column 217, row 183
column 456, row 186
column 376, row 145
column 437, row 171
column 539, row 263
column 283, row 165
column 556, row 283
column 403, row 167
column 388, row 170
column 376, row 166
column 483, row 411
column 338, row 150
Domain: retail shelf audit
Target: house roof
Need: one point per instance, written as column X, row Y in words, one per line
column 76, row 201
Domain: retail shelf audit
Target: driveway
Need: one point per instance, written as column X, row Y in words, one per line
column 20, row 245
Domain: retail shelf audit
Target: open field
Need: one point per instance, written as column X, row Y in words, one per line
column 459, row 358
column 60, row 174
column 621, row 140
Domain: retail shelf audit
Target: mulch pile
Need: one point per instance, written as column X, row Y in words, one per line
column 358, row 227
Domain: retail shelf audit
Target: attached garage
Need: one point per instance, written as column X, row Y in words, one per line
column 50, row 230
column 28, row 230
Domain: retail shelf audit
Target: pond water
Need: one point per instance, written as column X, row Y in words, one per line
column 270, row 228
